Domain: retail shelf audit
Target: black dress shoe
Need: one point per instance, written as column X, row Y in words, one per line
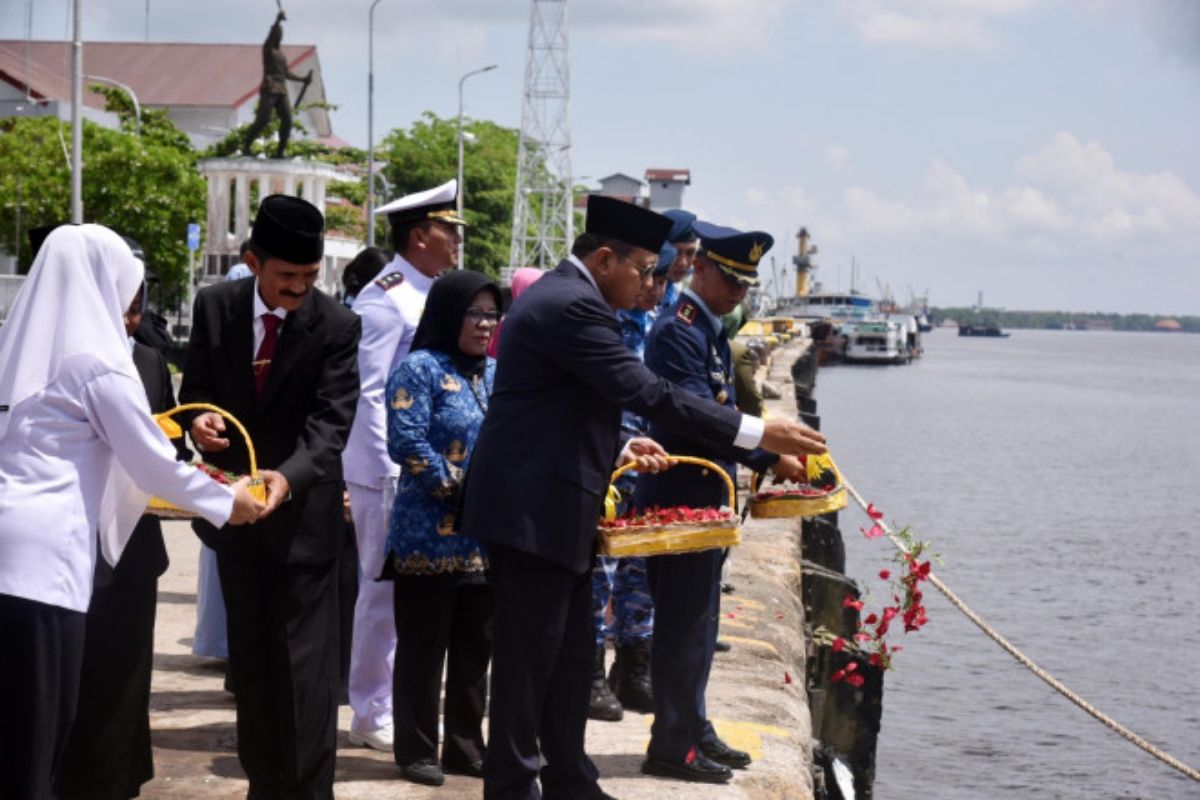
column 722, row 646
column 700, row 770
column 425, row 771
column 472, row 769
column 722, row 753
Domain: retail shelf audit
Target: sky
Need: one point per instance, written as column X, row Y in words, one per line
column 1043, row 153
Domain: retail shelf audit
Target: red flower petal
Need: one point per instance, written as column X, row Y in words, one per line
column 855, row 680
column 837, row 676
column 885, row 574
column 874, row 533
column 838, row 644
column 787, row 677
column 873, row 512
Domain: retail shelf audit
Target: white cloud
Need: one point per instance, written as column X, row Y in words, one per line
column 940, row 24
column 722, row 25
column 1067, row 189
column 837, row 156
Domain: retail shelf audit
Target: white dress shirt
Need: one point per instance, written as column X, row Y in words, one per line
column 260, row 329
column 55, row 458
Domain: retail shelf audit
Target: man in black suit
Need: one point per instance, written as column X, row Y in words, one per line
column 281, row 357
column 539, row 471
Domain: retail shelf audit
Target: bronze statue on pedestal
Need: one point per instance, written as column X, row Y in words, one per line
column 273, row 94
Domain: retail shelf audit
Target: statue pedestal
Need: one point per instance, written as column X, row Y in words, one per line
column 235, row 187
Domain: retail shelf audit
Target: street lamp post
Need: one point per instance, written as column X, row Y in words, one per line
column 461, row 187
column 77, row 117
column 371, row 124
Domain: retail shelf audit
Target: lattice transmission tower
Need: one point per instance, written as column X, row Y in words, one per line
column 542, row 206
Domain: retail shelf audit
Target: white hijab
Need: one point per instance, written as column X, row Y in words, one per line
column 67, row 319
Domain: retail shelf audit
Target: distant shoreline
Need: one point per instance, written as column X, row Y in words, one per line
column 1066, row 320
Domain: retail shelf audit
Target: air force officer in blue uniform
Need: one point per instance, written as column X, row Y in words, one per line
column 540, row 469
column 688, row 347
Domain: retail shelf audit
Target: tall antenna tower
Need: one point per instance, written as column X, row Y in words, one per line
column 543, row 213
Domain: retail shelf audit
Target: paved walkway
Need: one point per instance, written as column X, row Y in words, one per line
column 755, row 696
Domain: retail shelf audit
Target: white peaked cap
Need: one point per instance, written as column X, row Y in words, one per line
column 437, row 203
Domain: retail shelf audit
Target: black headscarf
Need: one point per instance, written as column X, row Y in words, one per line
column 442, row 321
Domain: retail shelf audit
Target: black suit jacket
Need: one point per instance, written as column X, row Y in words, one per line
column 299, row 425
column 548, row 445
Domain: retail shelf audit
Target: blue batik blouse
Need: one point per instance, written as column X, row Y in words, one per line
column 433, row 417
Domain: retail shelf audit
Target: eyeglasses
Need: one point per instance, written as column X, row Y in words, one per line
column 477, row 316
column 644, row 270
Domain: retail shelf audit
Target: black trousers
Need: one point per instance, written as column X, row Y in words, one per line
column 543, row 648
column 283, row 655
column 108, row 753
column 687, row 599
column 41, row 653
column 449, row 626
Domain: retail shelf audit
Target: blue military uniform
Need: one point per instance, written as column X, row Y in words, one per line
column 623, row 580
column 682, row 231
column 688, row 347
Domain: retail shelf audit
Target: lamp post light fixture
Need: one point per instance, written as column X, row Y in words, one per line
column 137, row 107
column 371, row 124
column 461, row 188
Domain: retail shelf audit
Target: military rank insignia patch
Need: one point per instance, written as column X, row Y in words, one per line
column 390, row 281
column 686, row 312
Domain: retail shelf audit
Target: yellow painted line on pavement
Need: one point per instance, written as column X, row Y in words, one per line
column 759, row 643
column 734, row 623
column 734, row 600
column 747, row 736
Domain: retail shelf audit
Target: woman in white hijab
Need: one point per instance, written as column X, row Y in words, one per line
column 78, row 453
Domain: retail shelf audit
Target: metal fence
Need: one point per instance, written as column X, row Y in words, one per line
column 9, row 286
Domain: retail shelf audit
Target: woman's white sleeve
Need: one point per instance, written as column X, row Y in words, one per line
column 117, row 408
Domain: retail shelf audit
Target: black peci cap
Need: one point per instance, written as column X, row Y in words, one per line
column 626, row 222
column 289, row 229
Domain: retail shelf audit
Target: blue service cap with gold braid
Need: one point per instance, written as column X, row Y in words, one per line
column 666, row 257
column 682, row 223
column 736, row 253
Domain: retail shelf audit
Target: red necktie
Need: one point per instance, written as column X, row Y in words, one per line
column 266, row 351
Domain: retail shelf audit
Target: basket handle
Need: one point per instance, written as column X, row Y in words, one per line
column 173, row 431
column 613, row 496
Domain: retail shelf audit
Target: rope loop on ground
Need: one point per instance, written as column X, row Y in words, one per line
column 1027, row 662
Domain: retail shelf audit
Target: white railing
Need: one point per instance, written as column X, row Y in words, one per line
column 9, row 286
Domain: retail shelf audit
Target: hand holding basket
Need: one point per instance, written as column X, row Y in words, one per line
column 257, row 489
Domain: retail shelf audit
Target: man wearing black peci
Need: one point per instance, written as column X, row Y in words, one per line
column 541, row 466
column 281, row 357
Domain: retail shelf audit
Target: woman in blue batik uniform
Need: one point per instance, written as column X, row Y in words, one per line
column 437, row 400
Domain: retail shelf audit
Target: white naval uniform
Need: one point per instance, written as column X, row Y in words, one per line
column 390, row 310
column 54, row 460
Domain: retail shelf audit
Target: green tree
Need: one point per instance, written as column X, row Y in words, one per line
column 144, row 187
column 426, row 154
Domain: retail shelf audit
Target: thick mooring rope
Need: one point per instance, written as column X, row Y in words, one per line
column 1025, row 660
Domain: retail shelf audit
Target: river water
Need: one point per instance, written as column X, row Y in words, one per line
column 1058, row 476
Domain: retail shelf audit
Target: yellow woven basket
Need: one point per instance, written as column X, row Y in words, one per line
column 161, row 508
column 681, row 537
column 784, row 507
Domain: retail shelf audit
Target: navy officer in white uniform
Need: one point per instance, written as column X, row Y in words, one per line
column 425, row 237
